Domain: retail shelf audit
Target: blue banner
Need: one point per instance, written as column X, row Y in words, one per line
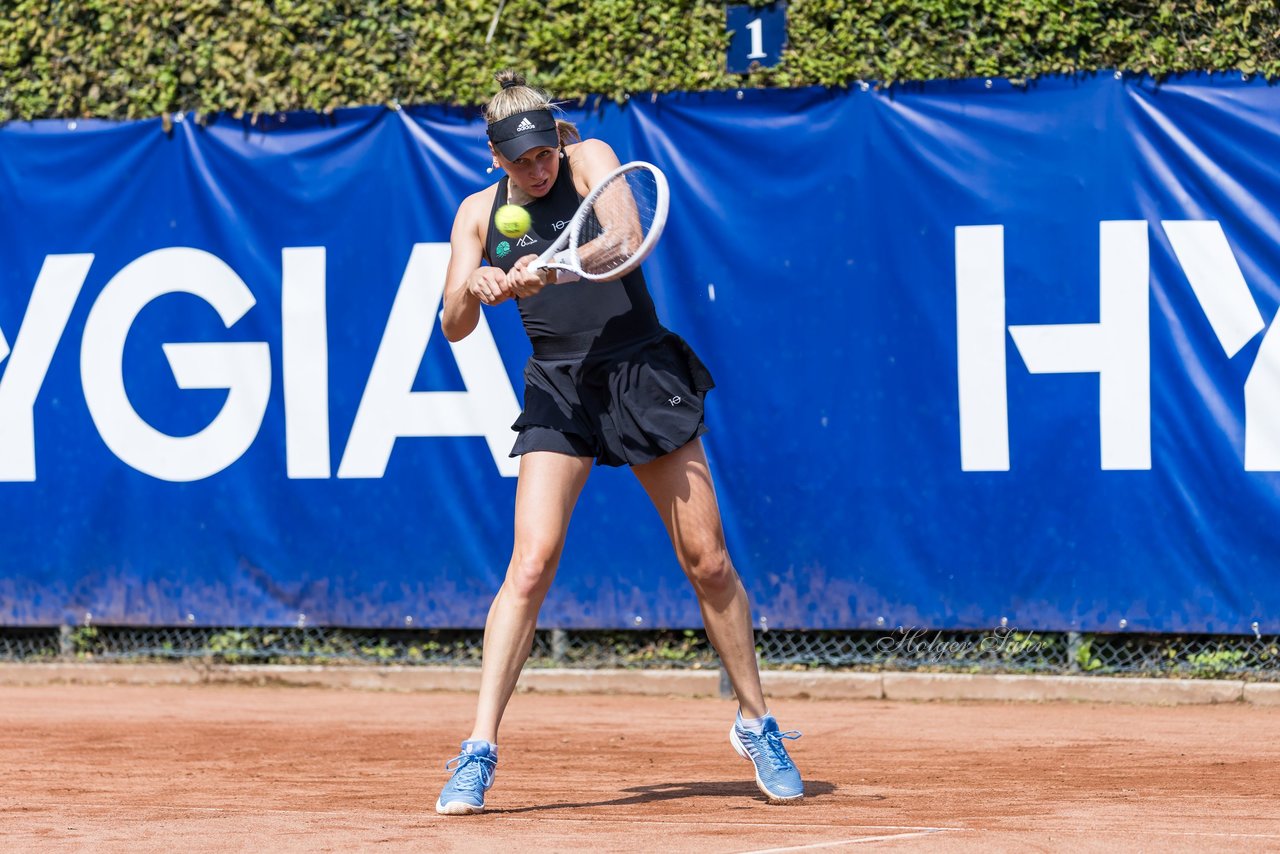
column 985, row 354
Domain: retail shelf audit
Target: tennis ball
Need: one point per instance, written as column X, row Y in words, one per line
column 512, row 220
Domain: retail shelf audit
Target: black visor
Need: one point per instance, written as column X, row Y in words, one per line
column 515, row 135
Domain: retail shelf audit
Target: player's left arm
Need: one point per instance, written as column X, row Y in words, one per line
column 592, row 161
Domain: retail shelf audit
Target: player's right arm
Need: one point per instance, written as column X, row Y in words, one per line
column 468, row 282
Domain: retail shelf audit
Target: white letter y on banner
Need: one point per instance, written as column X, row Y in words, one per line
column 57, row 287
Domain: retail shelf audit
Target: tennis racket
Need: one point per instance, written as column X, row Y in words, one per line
column 614, row 228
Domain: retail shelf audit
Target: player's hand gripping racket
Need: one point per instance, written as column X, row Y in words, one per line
column 614, row 228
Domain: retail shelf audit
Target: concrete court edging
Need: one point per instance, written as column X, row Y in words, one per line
column 1097, row 689
column 1262, row 693
column 686, row 683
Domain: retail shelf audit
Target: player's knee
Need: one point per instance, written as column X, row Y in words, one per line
column 530, row 573
column 710, row 570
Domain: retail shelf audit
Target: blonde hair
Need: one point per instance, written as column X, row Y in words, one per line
column 515, row 95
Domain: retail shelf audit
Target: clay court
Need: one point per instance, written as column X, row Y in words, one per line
column 226, row 767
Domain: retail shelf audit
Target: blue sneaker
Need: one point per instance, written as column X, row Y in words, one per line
column 776, row 775
column 472, row 777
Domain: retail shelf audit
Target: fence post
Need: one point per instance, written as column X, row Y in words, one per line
column 559, row 645
column 66, row 649
column 1074, row 642
column 726, row 687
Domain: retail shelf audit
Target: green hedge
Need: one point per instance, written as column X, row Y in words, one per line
column 135, row 58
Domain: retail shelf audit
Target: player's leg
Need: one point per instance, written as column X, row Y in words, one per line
column 546, row 492
column 680, row 486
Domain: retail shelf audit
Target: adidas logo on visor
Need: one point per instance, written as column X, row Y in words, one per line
column 524, row 125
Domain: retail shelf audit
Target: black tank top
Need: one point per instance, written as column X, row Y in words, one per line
column 573, row 317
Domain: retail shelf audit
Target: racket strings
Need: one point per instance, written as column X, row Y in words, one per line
column 622, row 217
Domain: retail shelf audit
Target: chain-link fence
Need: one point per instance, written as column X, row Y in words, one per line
column 29, row 644
column 1000, row 650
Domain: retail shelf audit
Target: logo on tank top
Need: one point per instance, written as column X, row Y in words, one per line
column 502, row 249
column 559, row 225
column 526, row 240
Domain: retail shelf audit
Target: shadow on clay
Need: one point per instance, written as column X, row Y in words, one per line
column 676, row 791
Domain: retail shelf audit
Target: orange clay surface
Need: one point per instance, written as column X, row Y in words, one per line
column 237, row 768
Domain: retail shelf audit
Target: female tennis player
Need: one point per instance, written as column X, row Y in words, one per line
column 606, row 384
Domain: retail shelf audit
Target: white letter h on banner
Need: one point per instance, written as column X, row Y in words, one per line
column 1116, row 347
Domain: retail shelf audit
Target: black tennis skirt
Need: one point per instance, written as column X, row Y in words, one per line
column 627, row 405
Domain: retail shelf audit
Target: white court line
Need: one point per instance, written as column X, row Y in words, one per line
column 857, row 840
column 1223, row 833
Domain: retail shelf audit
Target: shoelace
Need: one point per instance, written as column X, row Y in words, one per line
column 472, row 768
column 776, row 751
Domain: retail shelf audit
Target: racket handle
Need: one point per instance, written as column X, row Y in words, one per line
column 537, row 263
column 561, row 276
